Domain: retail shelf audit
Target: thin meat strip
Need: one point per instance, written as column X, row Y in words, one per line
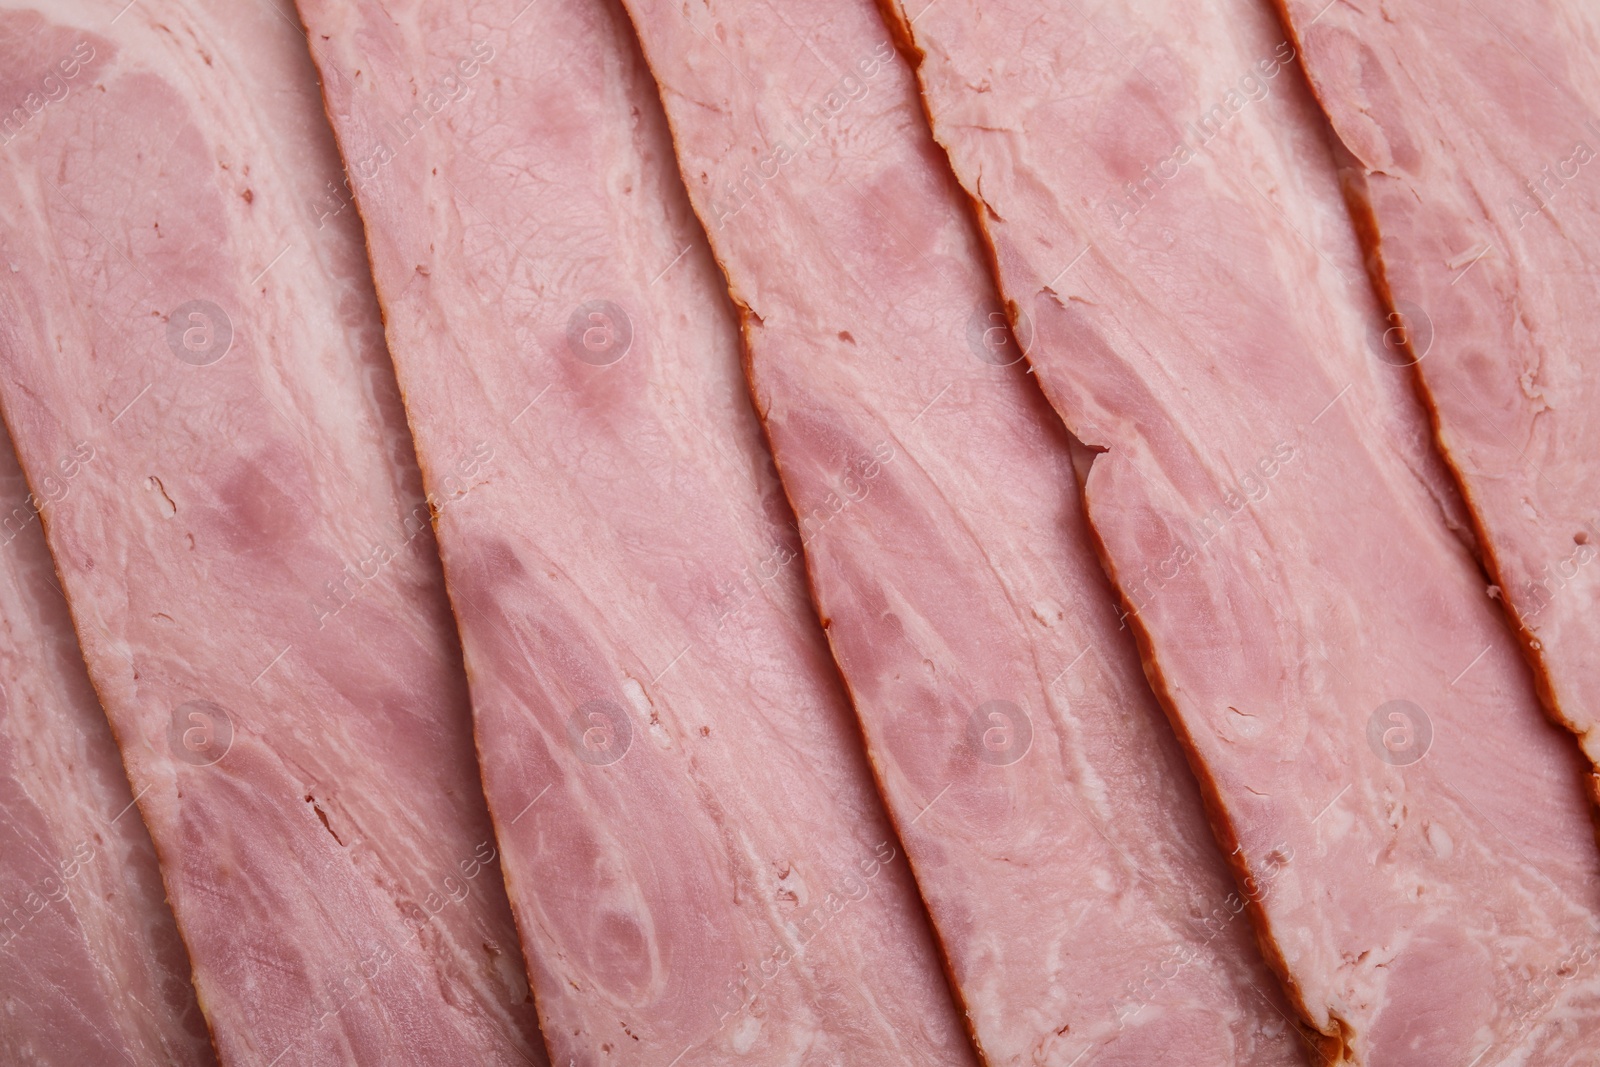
column 1475, row 129
column 701, row 869
column 245, row 555
column 1054, row 827
column 91, row 967
column 1165, row 213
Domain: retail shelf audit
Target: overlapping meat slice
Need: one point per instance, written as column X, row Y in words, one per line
column 91, row 968
column 1165, row 215
column 1476, row 128
column 251, row 576
column 1054, row 828
column 700, row 866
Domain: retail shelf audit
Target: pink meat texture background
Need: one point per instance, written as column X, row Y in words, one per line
column 654, row 533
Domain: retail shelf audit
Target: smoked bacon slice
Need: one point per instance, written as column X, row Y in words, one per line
column 91, row 968
column 1475, row 129
column 1164, row 209
column 701, row 869
column 1054, row 828
column 247, row 556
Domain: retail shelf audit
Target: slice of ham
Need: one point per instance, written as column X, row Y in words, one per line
column 1165, row 214
column 1045, row 805
column 248, row 568
column 91, row 968
column 700, row 866
column 1476, row 135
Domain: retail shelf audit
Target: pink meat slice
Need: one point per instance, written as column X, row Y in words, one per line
column 1475, row 129
column 701, row 869
column 1054, row 827
column 91, row 967
column 1165, row 213
column 245, row 555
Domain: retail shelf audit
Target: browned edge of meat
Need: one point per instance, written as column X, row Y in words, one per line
column 745, row 358
column 433, row 514
column 111, row 723
column 1331, row 1049
column 745, row 314
column 1353, row 184
column 45, row 523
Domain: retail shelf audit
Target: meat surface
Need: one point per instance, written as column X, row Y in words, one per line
column 91, row 968
column 1475, row 128
column 249, row 569
column 1164, row 209
column 1055, row 830
column 700, row 866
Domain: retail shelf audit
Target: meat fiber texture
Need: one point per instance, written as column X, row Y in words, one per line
column 1054, row 828
column 91, row 968
column 1165, row 214
column 700, row 866
column 190, row 352
column 1475, row 128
